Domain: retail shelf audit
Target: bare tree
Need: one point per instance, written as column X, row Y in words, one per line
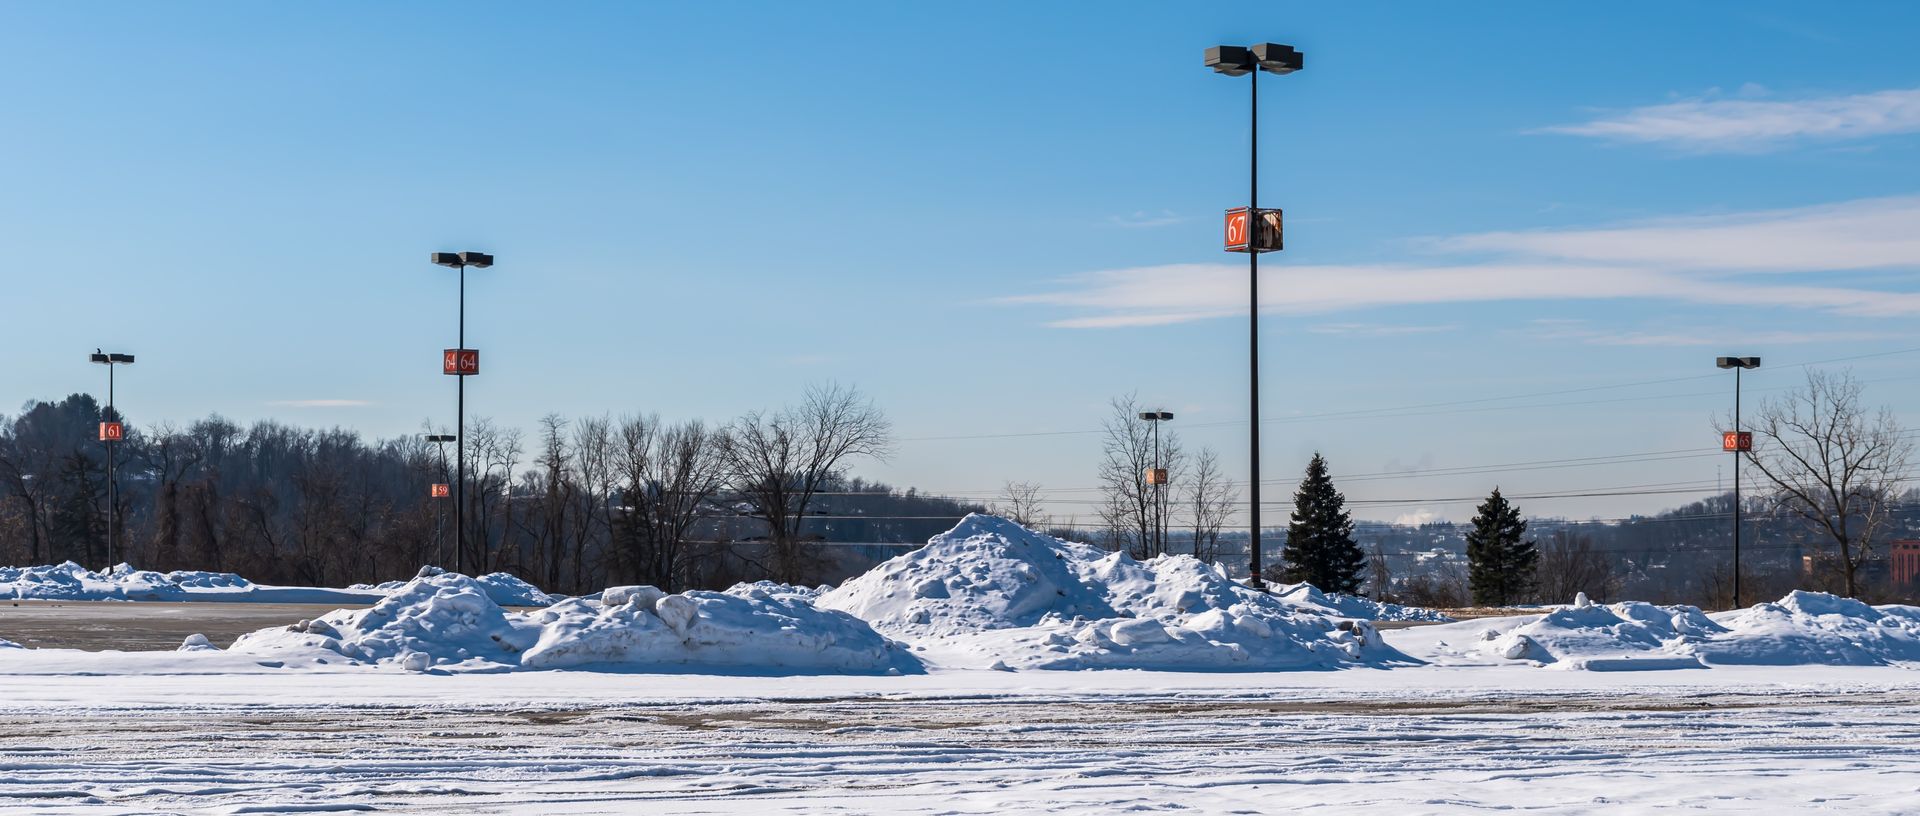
column 1569, row 565
column 1832, row 465
column 556, row 499
column 1379, row 575
column 1020, row 503
column 593, row 471
column 777, row 461
column 1129, row 508
column 170, row 455
column 1211, row 499
column 668, row 475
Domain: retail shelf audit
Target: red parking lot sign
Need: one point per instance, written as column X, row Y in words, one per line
column 461, row 362
column 1736, row 441
column 442, row 490
column 112, row 432
column 1253, row 230
column 1237, row 230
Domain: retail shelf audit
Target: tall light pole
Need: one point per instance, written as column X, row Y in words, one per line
column 111, row 433
column 439, row 491
column 461, row 362
column 1157, row 478
column 1736, row 442
column 1257, row 231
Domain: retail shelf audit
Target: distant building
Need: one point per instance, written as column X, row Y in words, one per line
column 1903, row 559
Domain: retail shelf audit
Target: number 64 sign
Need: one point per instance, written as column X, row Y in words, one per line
column 460, row 362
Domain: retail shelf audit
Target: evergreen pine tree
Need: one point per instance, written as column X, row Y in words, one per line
column 1320, row 547
column 1500, row 561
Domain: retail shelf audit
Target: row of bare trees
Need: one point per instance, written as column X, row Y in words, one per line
column 597, row 500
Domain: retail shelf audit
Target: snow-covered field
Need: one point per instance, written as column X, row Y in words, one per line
column 960, row 678
column 1402, row 741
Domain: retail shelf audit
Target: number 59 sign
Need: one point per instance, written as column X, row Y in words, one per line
column 460, row 362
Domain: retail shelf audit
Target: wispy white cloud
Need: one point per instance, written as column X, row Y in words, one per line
column 1873, row 233
column 1378, row 329
column 320, row 403
column 1147, row 220
column 1704, row 337
column 1750, row 125
column 1707, row 260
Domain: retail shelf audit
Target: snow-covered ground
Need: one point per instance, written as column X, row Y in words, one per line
column 1428, row 740
column 952, row 680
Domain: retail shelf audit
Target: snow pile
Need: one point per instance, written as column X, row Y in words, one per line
column 991, row 592
column 1802, row 629
column 504, row 589
column 451, row 621
column 1585, row 631
column 1338, row 605
column 809, row 594
column 1807, row 628
column 8, row 644
column 68, row 581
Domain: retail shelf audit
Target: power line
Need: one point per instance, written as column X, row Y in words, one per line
column 1393, row 410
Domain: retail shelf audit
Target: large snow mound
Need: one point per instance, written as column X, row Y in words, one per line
column 503, row 588
column 1586, row 630
column 68, row 581
column 1339, row 605
column 1804, row 628
column 1816, row 628
column 991, row 592
column 450, row 621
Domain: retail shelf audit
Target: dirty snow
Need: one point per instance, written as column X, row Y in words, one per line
column 449, row 622
column 992, row 594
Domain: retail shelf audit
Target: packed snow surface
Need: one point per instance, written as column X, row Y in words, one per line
column 449, row 621
column 991, row 593
column 71, row 582
column 1804, row 628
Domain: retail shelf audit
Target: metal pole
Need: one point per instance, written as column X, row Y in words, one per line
column 440, row 510
column 1253, row 325
column 1736, row 488
column 1159, row 495
column 460, row 433
column 113, row 498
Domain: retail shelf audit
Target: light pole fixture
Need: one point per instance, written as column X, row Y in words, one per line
column 1254, row 231
column 112, row 432
column 1156, row 477
column 461, row 362
column 1736, row 442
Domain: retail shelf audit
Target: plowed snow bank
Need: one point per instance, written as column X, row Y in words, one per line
column 449, row 621
column 1804, row 628
column 71, row 582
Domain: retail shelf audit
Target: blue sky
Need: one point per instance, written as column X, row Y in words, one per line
column 991, row 217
